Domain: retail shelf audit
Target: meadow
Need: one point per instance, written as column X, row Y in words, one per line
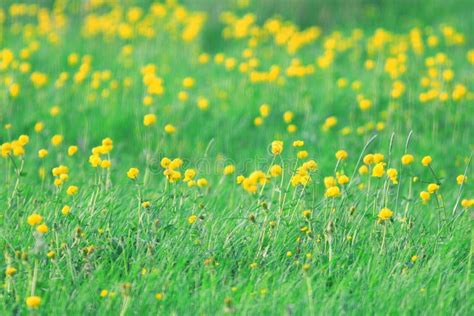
column 247, row 157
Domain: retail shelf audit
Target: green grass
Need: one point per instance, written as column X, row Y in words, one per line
column 234, row 258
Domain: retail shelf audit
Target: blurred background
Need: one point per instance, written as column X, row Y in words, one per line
column 400, row 15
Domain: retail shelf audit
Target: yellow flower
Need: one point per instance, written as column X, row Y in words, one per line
column 10, row 271
column 51, row 254
column 426, row 161
column 183, row 96
column 203, row 58
column 433, row 187
column 341, row 154
column 72, row 150
column 277, row 147
column 72, row 58
column 329, row 182
column 302, row 154
column 57, row 139
column 146, row 204
column 188, row 82
column 6, row 149
column 14, row 90
column 202, row 103
column 33, row 301
column 175, row 163
column 174, row 176
column 39, row 126
column 147, row 100
column 275, row 170
column 107, row 145
column 66, row 209
column 149, row 119
column 229, row 169
column 333, row 192
column 104, row 293
column 363, row 170
column 43, row 229
column 105, row 164
column 425, row 196
column 165, row 162
column 202, row 182
column 288, row 116
column 378, row 170
column 160, row 296
column 264, row 110
column 72, row 189
column 291, row 128
column 368, row 159
column 258, row 121
column 170, row 129
column 18, row 149
column 23, row 140
column 378, row 157
column 369, row 64
column 407, row 159
column 94, row 160
column 60, row 170
column 343, row 179
column 189, row 175
column 298, row 143
column 55, row 110
column 467, row 203
column 341, row 82
column 461, row 179
column 240, row 179
column 132, row 173
column 34, row 219
column 42, row 153
column 392, row 174
column 192, row 219
column 385, row 214
column 365, row 104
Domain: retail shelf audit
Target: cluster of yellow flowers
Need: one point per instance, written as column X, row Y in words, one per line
column 171, row 169
column 15, row 147
column 302, row 175
column 251, row 183
column 96, row 159
column 132, row 173
column 171, row 172
column 153, row 83
column 134, row 22
column 61, row 174
column 297, row 69
column 36, row 220
column 437, row 80
column 268, row 56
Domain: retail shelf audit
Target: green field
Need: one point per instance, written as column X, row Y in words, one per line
column 248, row 157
